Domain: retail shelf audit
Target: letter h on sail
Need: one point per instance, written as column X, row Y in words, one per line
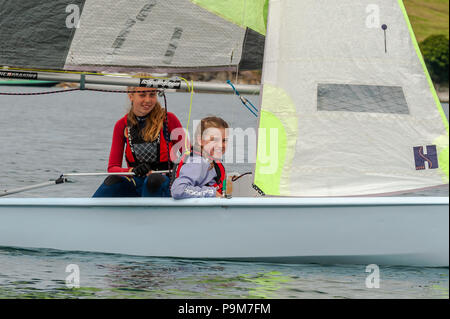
column 430, row 157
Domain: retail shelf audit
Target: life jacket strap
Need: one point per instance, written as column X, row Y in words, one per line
column 219, row 169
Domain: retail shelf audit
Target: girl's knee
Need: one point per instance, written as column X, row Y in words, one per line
column 116, row 186
column 154, row 182
column 156, row 185
column 112, row 179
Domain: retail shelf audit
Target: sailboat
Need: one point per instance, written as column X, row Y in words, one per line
column 348, row 118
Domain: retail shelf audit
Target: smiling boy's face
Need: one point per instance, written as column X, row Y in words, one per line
column 214, row 142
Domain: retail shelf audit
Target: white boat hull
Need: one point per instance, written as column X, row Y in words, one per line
column 385, row 231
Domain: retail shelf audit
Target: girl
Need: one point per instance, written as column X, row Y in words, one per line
column 143, row 134
column 201, row 173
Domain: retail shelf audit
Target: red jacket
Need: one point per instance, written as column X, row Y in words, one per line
column 119, row 141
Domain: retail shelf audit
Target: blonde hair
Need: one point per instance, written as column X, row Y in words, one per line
column 206, row 123
column 153, row 123
column 155, row 119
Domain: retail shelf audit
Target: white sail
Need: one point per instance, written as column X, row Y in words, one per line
column 347, row 104
column 177, row 27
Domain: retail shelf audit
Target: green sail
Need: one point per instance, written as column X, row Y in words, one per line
column 245, row 13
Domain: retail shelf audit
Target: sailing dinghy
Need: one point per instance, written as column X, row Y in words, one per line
column 348, row 117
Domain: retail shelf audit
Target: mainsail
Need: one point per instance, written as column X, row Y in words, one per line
column 139, row 35
column 348, row 107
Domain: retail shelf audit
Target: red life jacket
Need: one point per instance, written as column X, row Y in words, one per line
column 161, row 163
column 218, row 166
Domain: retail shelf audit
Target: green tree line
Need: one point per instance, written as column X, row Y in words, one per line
column 435, row 51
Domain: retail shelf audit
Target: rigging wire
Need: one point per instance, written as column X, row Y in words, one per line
column 41, row 93
column 187, row 150
column 166, row 131
column 244, row 100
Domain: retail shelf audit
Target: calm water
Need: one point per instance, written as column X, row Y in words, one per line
column 45, row 136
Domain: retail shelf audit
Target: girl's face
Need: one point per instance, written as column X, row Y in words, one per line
column 143, row 102
column 214, row 141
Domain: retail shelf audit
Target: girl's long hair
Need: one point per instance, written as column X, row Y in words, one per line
column 154, row 121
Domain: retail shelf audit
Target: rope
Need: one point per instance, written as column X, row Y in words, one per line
column 41, row 93
column 167, row 138
column 191, row 90
column 235, row 178
column 166, row 130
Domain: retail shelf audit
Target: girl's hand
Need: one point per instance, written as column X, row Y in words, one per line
column 219, row 195
column 142, row 170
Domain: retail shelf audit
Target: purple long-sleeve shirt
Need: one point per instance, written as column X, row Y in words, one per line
column 195, row 180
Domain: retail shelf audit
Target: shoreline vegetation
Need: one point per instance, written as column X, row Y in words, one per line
column 442, row 92
column 428, row 17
